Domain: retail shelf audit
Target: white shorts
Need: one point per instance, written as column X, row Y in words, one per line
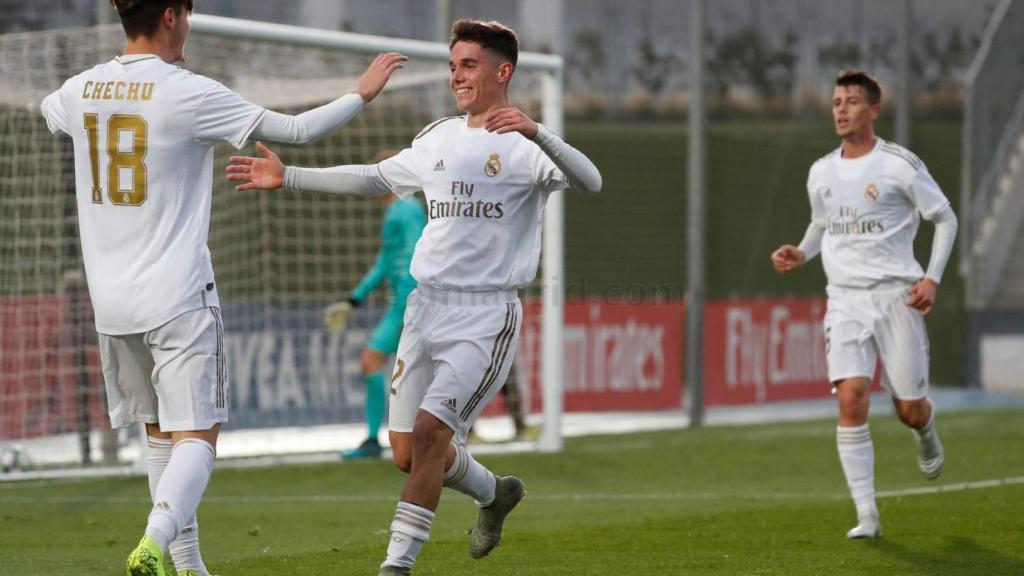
column 862, row 326
column 174, row 375
column 455, row 353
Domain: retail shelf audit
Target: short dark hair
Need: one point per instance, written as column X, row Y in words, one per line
column 141, row 17
column 851, row 77
column 492, row 35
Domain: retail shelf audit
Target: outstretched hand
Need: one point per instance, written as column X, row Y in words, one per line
column 922, row 295
column 265, row 173
column 378, row 73
column 510, row 119
column 787, row 258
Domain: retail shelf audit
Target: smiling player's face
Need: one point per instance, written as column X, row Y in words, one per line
column 475, row 77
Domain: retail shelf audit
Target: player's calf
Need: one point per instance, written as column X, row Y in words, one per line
column 930, row 454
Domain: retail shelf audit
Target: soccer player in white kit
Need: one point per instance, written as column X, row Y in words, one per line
column 486, row 177
column 866, row 197
column 144, row 132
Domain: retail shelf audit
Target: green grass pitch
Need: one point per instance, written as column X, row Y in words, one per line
column 757, row 500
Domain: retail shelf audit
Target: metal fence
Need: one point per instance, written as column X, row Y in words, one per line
column 993, row 118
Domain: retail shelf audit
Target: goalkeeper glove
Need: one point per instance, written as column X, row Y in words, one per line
column 336, row 315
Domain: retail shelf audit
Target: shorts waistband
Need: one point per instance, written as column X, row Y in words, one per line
column 877, row 288
column 461, row 298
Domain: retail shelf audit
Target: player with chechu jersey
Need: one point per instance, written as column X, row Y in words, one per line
column 867, row 197
column 403, row 224
column 486, row 177
column 143, row 132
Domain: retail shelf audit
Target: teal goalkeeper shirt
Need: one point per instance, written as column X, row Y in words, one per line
column 403, row 224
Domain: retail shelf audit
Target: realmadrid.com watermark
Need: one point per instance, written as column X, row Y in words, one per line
column 557, row 293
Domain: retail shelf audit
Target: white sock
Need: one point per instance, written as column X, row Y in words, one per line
column 857, row 455
column 159, row 456
column 470, row 477
column 179, row 490
column 409, row 530
column 185, row 548
column 925, row 433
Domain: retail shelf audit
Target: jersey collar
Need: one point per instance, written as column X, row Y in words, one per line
column 133, row 58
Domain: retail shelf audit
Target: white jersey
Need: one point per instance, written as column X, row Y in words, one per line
column 869, row 207
column 485, row 195
column 143, row 135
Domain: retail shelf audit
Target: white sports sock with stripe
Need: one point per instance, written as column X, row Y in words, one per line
column 409, row 530
column 857, row 455
column 470, row 477
column 185, row 548
column 179, row 490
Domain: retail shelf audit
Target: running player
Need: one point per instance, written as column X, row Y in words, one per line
column 866, row 197
column 486, row 177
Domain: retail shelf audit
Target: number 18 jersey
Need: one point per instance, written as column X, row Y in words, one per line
column 143, row 133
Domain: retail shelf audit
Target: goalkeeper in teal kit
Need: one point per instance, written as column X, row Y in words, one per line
column 404, row 221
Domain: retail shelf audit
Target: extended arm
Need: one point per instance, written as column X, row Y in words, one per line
column 310, row 125
column 318, row 122
column 355, row 179
column 268, row 173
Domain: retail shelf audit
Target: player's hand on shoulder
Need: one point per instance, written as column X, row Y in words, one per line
column 266, row 173
column 922, row 295
column 511, row 119
column 378, row 73
column 787, row 258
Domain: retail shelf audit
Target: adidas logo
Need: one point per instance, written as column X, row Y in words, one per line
column 449, row 404
column 439, row 167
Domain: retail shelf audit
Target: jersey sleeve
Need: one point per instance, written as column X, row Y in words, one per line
column 819, row 214
column 925, row 193
column 546, row 176
column 224, row 116
column 403, row 171
column 54, row 110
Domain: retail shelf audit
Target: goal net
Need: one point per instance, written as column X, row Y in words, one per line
column 279, row 257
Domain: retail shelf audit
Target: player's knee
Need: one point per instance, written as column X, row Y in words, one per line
column 914, row 418
column 402, row 460
column 851, row 405
column 431, row 437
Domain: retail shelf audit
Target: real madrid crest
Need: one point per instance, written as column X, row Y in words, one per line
column 493, row 165
column 871, row 193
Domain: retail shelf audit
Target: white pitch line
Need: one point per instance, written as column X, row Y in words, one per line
column 958, row 487
column 578, row 497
